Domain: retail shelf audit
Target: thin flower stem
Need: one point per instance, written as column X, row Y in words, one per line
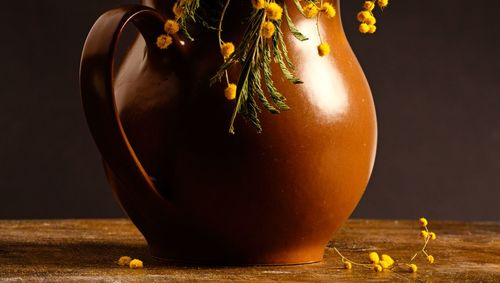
column 227, row 77
column 317, row 22
column 220, row 32
column 221, row 20
column 346, row 259
column 426, row 242
column 423, row 248
column 414, row 256
column 317, row 25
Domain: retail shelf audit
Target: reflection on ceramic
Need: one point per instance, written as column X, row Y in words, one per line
column 325, row 84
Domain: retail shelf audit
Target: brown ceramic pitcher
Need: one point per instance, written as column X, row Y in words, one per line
column 201, row 195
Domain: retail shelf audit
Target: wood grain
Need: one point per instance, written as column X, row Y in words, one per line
column 86, row 250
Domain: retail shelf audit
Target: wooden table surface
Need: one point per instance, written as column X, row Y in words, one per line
column 86, row 250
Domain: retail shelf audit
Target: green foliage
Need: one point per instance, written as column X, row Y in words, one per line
column 276, row 96
column 291, row 25
column 281, row 55
column 199, row 11
column 255, row 55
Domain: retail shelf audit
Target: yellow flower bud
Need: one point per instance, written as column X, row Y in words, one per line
column 347, row 265
column 267, row 29
column 135, row 264
column 368, row 5
column 177, row 10
column 430, row 259
column 412, row 268
column 384, row 264
column 378, row 268
column 171, row 27
column 310, row 11
column 259, row 4
column 387, row 259
column 373, row 28
column 364, row 28
column 328, row 9
column 163, row 41
column 363, row 15
column 274, row 11
column 383, row 3
column 423, row 221
column 370, row 20
column 323, row 49
column 424, row 234
column 124, row 260
column 432, row 235
column 374, row 257
column 230, row 92
column 227, row 49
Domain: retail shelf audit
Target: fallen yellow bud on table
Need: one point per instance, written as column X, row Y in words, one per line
column 387, row 259
column 378, row 268
column 384, row 264
column 430, row 259
column 374, row 257
column 136, row 264
column 124, row 260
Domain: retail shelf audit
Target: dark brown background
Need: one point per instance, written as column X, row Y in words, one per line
column 434, row 69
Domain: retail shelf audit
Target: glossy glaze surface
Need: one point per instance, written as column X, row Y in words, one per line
column 212, row 197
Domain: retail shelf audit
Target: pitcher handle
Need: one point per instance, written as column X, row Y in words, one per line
column 97, row 90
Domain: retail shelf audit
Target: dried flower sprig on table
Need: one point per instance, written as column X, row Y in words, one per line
column 263, row 42
column 386, row 262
